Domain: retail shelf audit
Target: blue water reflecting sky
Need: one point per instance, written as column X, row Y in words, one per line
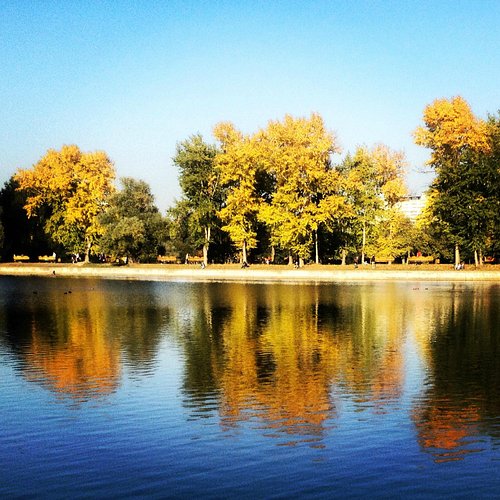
column 184, row 389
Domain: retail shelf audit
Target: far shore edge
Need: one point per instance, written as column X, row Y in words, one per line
column 284, row 274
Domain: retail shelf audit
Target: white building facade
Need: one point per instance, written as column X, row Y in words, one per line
column 412, row 206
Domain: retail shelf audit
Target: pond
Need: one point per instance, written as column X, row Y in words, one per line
column 220, row 390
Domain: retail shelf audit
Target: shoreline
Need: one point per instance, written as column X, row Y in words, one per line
column 255, row 273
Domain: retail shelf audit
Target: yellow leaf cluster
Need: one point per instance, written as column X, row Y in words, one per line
column 72, row 184
column 449, row 128
column 237, row 165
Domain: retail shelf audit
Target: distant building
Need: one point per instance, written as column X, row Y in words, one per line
column 412, row 206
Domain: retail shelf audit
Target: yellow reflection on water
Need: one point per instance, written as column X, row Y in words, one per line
column 289, row 357
column 77, row 340
column 69, row 350
column 288, row 352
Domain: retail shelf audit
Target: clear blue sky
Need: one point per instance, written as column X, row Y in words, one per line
column 133, row 78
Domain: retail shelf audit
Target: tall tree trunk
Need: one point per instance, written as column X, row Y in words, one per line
column 244, row 252
column 457, row 255
column 290, row 259
column 87, row 252
column 301, row 262
column 363, row 244
column 273, row 253
column 205, row 254
column 481, row 257
column 316, row 246
column 344, row 256
column 206, row 245
column 476, row 259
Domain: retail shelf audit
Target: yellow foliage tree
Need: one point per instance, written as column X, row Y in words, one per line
column 451, row 128
column 375, row 182
column 69, row 188
column 297, row 151
column 238, row 165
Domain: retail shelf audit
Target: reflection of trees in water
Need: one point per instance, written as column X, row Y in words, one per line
column 280, row 353
column 370, row 336
column 73, row 335
column 464, row 362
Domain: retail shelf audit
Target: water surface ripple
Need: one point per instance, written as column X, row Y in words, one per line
column 174, row 390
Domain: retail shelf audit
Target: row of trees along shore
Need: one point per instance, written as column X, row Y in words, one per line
column 276, row 195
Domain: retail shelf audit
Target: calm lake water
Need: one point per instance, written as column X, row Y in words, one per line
column 216, row 390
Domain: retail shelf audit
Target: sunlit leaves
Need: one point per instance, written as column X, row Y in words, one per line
column 374, row 182
column 71, row 186
column 238, row 164
column 297, row 153
column 464, row 156
column 451, row 128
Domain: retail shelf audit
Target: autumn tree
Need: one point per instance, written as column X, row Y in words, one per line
column 393, row 235
column 201, row 187
column 132, row 225
column 69, row 187
column 374, row 180
column 451, row 130
column 297, row 151
column 432, row 235
column 460, row 145
column 238, row 164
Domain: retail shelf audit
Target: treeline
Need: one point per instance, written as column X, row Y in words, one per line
column 276, row 195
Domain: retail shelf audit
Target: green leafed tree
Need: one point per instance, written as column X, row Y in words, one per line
column 201, row 188
column 461, row 155
column 132, row 224
column 466, row 196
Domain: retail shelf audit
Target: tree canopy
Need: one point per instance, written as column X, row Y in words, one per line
column 276, row 192
column 238, row 167
column 201, row 188
column 69, row 188
column 307, row 190
column 464, row 155
column 451, row 129
column 132, row 224
column 375, row 181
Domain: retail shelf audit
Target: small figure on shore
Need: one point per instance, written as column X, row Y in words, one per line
column 244, row 265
